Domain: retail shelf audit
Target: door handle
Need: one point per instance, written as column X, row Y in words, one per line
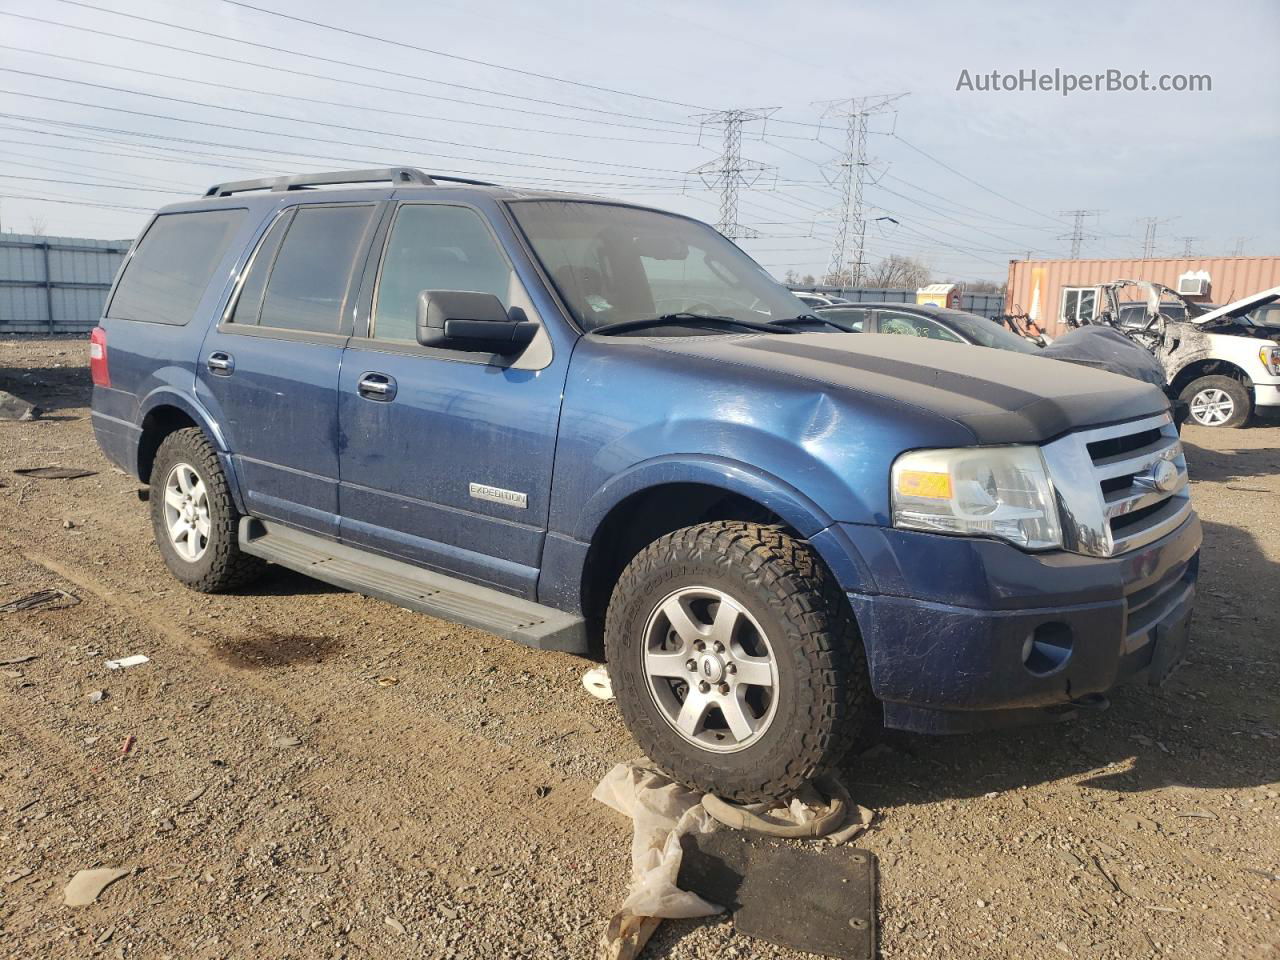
column 376, row 386
column 221, row 363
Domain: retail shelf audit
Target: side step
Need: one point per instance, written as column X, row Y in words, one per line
column 408, row 586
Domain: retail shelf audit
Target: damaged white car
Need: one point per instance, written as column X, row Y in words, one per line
column 1224, row 362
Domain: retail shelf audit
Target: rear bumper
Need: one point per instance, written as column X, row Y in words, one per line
column 946, row 638
column 118, row 440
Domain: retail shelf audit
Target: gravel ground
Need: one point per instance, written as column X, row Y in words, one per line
column 301, row 772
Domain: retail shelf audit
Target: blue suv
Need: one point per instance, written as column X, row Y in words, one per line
column 592, row 426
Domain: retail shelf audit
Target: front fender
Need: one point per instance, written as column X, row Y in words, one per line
column 798, row 511
column 801, row 513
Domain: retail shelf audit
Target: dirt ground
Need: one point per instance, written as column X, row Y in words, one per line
column 301, row 772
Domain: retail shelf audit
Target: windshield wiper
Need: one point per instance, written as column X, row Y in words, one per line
column 808, row 318
column 687, row 320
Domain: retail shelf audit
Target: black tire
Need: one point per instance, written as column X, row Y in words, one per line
column 222, row 566
column 1242, row 402
column 823, row 698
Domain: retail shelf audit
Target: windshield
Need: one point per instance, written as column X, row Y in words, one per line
column 613, row 263
column 984, row 332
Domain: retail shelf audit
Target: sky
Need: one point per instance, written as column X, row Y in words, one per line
column 111, row 108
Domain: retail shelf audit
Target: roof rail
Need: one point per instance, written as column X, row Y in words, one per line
column 304, row 181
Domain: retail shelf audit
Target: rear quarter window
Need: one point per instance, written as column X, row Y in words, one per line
column 172, row 266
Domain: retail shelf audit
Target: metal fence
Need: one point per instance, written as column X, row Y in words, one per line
column 55, row 284
column 989, row 305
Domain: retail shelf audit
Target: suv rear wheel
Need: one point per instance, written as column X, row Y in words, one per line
column 1218, row 402
column 736, row 661
column 194, row 517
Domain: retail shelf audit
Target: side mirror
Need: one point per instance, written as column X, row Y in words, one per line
column 462, row 320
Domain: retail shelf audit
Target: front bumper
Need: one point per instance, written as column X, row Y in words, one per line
column 946, row 635
column 1266, row 394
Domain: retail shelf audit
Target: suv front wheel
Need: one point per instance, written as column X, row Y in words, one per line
column 194, row 517
column 735, row 660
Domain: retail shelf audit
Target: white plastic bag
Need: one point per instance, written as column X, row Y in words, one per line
column 661, row 813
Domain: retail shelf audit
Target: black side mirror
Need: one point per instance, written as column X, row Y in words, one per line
column 462, row 320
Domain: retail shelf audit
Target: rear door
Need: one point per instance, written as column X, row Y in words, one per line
column 447, row 454
column 269, row 371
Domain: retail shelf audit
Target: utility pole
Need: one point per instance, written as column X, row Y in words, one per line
column 1186, row 245
column 851, row 171
column 1149, row 236
column 1077, row 236
column 730, row 171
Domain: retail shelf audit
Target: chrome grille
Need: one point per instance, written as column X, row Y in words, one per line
column 1120, row 487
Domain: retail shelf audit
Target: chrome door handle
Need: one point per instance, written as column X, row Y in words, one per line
column 376, row 386
column 221, row 363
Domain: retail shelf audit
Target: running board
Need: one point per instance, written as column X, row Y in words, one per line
column 408, row 586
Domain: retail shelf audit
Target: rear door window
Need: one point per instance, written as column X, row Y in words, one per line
column 172, row 266
column 249, row 304
column 910, row 325
column 308, row 280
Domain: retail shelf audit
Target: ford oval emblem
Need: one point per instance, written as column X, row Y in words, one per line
column 1164, row 476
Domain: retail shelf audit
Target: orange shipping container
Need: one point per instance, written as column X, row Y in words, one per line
column 1050, row 290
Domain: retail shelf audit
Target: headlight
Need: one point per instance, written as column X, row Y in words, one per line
column 999, row 492
column 1270, row 357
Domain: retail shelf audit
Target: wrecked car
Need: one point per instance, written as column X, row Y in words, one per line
column 1093, row 346
column 1223, row 362
column 590, row 426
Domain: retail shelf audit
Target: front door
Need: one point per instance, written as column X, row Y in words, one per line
column 268, row 373
column 447, row 454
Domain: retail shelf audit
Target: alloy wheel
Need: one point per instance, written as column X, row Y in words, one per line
column 710, row 669
column 186, row 512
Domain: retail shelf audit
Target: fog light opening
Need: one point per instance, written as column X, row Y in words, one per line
column 1047, row 648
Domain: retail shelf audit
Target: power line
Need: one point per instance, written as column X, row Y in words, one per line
column 344, row 81
column 454, row 56
column 730, row 171
column 350, row 106
column 362, row 66
column 295, row 136
column 946, row 166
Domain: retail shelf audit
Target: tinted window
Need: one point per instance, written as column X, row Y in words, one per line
column 912, row 326
column 172, row 266
column 847, row 317
column 249, row 303
column 309, row 279
column 435, row 248
column 986, row 333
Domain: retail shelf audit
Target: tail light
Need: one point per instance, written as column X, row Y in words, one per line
column 98, row 358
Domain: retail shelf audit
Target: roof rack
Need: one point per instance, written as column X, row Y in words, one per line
column 308, row 180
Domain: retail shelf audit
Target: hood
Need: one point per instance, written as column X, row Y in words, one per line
column 998, row 395
column 1221, row 314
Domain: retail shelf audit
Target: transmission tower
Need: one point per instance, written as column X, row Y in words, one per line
column 1237, row 246
column 851, row 173
column 1077, row 236
column 1150, row 224
column 729, row 172
column 1186, row 245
